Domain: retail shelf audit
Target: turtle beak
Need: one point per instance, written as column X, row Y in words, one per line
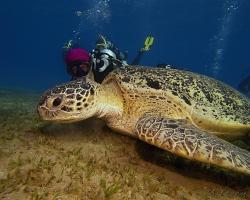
column 44, row 112
column 48, row 108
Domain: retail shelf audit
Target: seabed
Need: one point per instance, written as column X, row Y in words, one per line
column 87, row 160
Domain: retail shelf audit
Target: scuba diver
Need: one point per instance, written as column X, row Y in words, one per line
column 244, row 86
column 147, row 44
column 168, row 66
column 105, row 58
column 77, row 62
column 101, row 61
column 164, row 66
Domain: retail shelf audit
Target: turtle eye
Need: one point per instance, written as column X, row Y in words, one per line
column 57, row 101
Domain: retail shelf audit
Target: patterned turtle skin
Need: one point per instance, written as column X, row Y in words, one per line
column 182, row 112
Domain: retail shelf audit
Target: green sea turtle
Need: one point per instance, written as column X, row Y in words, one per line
column 182, row 112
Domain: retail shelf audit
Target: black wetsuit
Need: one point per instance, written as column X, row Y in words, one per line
column 99, row 76
column 137, row 59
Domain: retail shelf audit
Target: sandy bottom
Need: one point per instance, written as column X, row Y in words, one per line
column 89, row 161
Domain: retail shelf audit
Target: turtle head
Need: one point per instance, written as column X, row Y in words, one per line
column 73, row 101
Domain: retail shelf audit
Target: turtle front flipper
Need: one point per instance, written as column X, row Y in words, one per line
column 186, row 140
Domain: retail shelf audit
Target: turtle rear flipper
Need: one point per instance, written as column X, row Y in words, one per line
column 185, row 140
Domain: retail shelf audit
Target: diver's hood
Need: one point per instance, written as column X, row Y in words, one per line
column 108, row 52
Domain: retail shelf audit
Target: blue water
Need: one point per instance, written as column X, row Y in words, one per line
column 209, row 37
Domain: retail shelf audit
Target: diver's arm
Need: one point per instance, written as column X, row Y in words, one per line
column 244, row 85
column 138, row 57
column 147, row 44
